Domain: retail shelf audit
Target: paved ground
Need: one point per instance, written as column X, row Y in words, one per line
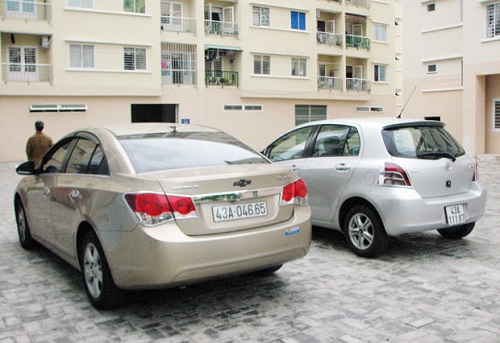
column 425, row 289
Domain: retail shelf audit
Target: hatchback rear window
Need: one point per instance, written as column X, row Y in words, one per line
column 421, row 142
column 177, row 150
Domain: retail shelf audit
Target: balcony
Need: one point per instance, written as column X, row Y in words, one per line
column 329, row 38
column 358, row 85
column 25, row 72
column 24, row 9
column 178, row 24
column 358, row 3
column 352, row 41
column 221, row 78
column 215, row 27
column 330, row 83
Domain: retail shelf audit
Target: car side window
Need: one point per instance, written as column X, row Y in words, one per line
column 290, row 146
column 98, row 163
column 78, row 162
column 55, row 163
column 336, row 140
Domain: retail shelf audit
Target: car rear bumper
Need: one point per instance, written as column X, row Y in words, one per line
column 404, row 211
column 163, row 256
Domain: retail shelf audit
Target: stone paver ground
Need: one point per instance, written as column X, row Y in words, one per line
column 424, row 289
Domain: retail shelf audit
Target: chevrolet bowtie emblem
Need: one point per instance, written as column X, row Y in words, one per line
column 242, row 183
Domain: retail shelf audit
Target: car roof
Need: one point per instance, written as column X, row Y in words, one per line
column 145, row 128
column 377, row 122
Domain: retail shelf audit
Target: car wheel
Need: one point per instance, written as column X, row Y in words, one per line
column 268, row 271
column 364, row 231
column 457, row 232
column 23, row 229
column 99, row 285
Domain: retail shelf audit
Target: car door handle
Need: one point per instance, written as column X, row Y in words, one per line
column 74, row 195
column 342, row 167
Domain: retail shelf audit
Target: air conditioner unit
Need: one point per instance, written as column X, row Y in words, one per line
column 45, row 42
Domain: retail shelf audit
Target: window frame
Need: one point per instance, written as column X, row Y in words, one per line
column 379, row 32
column 135, row 62
column 379, row 73
column 493, row 20
column 259, row 64
column 298, row 67
column 496, row 114
column 134, row 6
column 259, row 16
column 298, row 20
column 81, row 63
column 311, row 117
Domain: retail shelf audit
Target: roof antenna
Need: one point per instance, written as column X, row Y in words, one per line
column 407, row 101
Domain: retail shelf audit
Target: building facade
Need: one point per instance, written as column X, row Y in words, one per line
column 252, row 68
column 452, row 63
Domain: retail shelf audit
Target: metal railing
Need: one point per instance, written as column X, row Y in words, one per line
column 358, row 3
column 357, row 42
column 20, row 72
column 178, row 24
column 330, row 83
column 178, row 77
column 215, row 27
column 23, row 9
column 358, row 85
column 329, row 38
column 221, row 78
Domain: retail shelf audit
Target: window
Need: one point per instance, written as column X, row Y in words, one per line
column 289, row 146
column 298, row 20
column 262, row 64
column 135, row 6
column 233, row 107
column 260, row 16
column 178, row 64
column 380, row 32
column 431, row 68
column 493, row 20
column 336, row 140
column 134, row 59
column 496, row 114
column 81, row 56
column 299, row 67
column 431, row 7
column 380, row 73
column 80, row 157
column 80, row 3
column 308, row 113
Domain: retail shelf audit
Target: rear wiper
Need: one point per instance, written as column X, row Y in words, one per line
column 438, row 154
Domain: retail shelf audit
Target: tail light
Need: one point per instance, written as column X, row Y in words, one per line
column 475, row 175
column 294, row 193
column 155, row 208
column 393, row 175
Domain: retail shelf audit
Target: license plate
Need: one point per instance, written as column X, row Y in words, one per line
column 239, row 211
column 455, row 214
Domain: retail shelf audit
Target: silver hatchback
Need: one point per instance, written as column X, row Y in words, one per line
column 378, row 177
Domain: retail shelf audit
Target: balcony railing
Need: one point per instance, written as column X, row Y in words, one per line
column 358, row 85
column 178, row 24
column 358, row 3
column 330, row 83
column 178, row 77
column 221, row 28
column 329, row 38
column 24, row 9
column 20, row 72
column 221, row 78
column 357, row 42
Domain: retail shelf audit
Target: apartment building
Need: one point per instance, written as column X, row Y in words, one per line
column 250, row 67
column 452, row 62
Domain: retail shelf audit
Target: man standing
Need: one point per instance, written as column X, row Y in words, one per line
column 38, row 144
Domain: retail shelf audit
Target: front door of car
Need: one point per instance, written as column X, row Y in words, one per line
column 329, row 168
column 290, row 149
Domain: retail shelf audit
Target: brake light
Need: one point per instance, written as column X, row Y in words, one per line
column 155, row 208
column 294, row 193
column 393, row 175
column 475, row 175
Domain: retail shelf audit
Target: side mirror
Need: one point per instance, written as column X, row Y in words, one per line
column 26, row 168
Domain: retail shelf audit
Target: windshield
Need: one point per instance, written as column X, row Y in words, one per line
column 424, row 142
column 176, row 150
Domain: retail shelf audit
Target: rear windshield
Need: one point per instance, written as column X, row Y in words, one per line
column 176, row 150
column 423, row 142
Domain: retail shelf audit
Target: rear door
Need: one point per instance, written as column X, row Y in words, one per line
column 330, row 166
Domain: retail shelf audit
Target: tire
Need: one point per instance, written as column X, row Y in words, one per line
column 23, row 228
column 364, row 231
column 457, row 232
column 99, row 285
column 268, row 271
